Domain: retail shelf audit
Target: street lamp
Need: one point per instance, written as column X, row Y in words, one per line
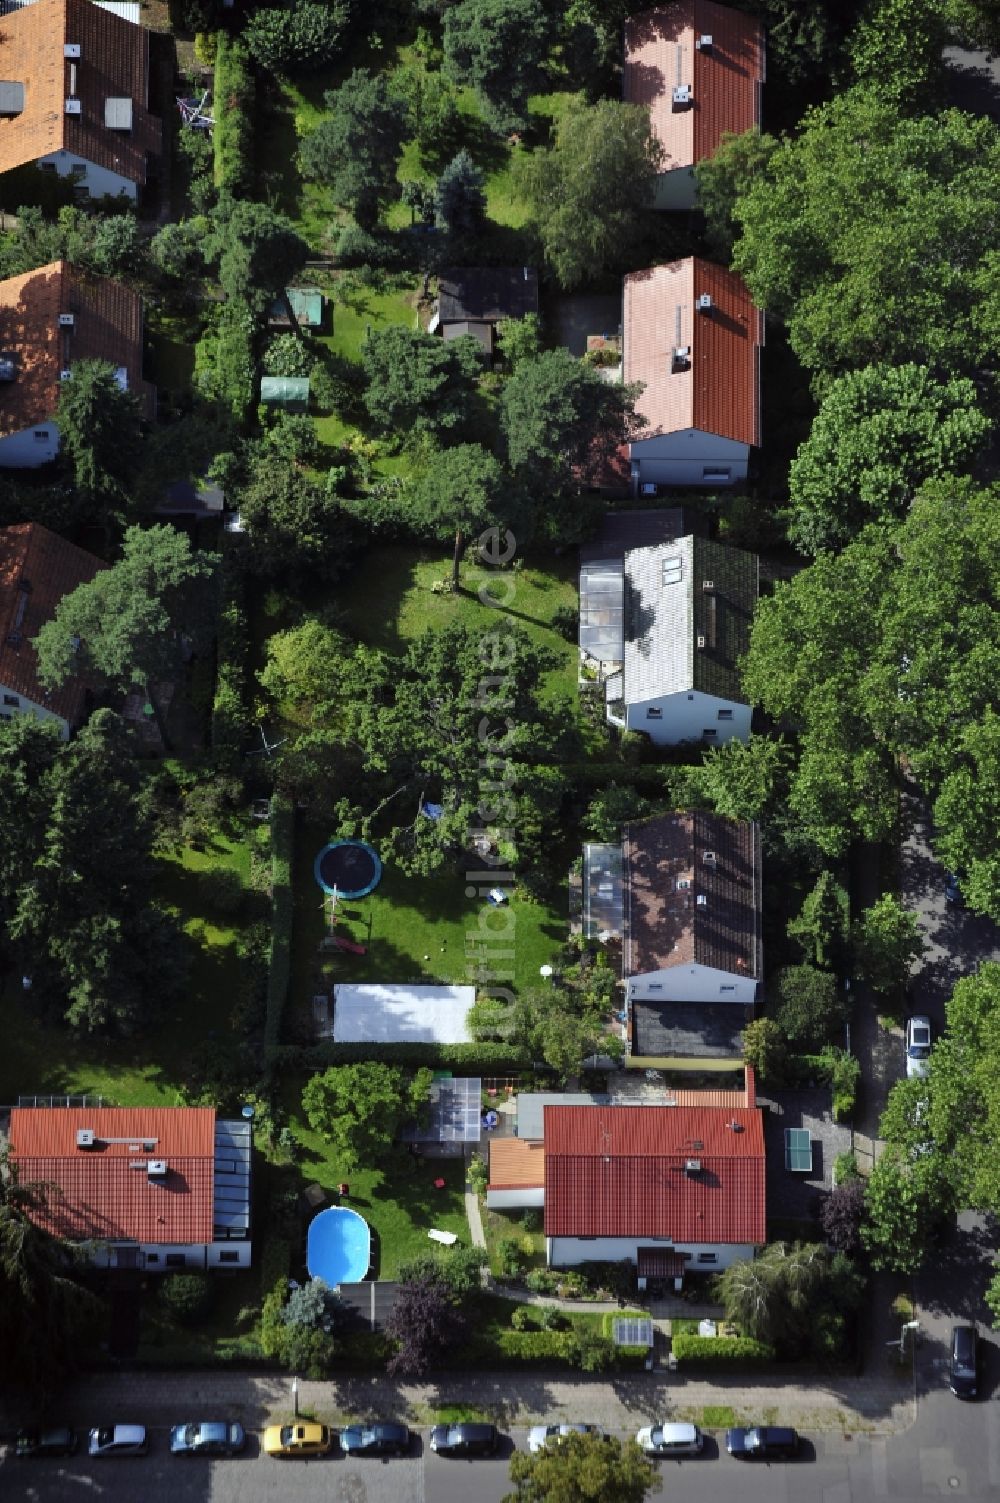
column 295, row 1397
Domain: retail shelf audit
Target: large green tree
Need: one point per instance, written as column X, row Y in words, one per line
column 797, row 1296
column 259, row 253
column 590, row 191
column 967, row 815
column 99, row 424
column 879, row 434
column 896, row 48
column 886, row 941
column 356, row 147
column 872, row 234
column 458, row 493
column 418, row 383
column 583, row 1469
column 907, row 1199
column 964, row 1089
column 499, row 47
column 359, row 1108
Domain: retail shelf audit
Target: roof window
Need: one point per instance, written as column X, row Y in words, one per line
column 673, row 569
column 11, row 99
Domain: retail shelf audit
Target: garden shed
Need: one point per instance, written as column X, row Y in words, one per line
column 290, row 393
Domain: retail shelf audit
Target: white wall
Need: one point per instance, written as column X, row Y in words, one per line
column 681, row 458
column 153, row 1255
column 693, row 983
column 28, row 707
column 98, row 181
column 566, row 1252
column 25, row 450
column 525, row 1196
column 676, row 189
column 686, row 716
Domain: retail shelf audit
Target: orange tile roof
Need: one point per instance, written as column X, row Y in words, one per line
column 719, row 390
column 725, row 80
column 107, row 326
column 101, row 1194
column 33, row 556
column 113, row 63
column 515, row 1164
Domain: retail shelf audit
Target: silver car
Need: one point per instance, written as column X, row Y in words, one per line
column 918, row 1047
column 540, row 1435
column 671, row 1440
column 118, row 1440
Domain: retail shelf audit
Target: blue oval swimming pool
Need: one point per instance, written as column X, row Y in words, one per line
column 338, row 1246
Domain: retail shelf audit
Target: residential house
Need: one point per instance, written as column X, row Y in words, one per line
column 662, row 632
column 472, row 300
column 672, row 1189
column 699, row 68
column 692, row 341
column 153, row 1188
column 75, row 96
column 50, row 319
column 517, row 1175
column 37, row 568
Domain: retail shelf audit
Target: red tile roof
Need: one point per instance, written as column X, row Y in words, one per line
column 32, row 556
column 113, row 63
column 619, row 1171
column 107, row 325
column 718, row 391
column 725, row 80
column 102, row 1193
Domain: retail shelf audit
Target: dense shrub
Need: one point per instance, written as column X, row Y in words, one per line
column 566, row 621
column 736, row 1351
column 536, row 1346
column 225, row 367
column 378, row 249
column 485, row 1059
column 288, row 355
column 230, row 711
column 523, row 1319
column 299, row 37
column 234, row 111
column 279, row 975
column 187, row 1297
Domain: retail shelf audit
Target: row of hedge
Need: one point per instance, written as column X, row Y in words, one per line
column 230, row 712
column 714, row 1351
column 282, row 914
column 234, row 109
column 481, row 1058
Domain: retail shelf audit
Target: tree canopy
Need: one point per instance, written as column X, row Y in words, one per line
column 355, row 149
column 426, row 1321
column 499, row 47
column 359, row 1108
column 420, row 384
column 583, row 1469
column 99, row 432
column 457, row 493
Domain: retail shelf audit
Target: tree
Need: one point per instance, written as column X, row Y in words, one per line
column 426, row 1321
column 906, row 1202
column 499, row 48
column 879, row 434
column 355, row 149
column 297, row 530
column 259, row 254
column 886, row 941
column 99, row 432
column 842, row 1213
column 583, row 1467
column 590, row 191
column 810, row 1006
column 359, row 1108
column 555, row 411
column 765, row 1048
column 418, row 383
column 460, row 197
column 612, row 808
column 724, row 178
column 461, row 1268
column 457, row 494
column 299, row 37
column 896, row 48
column 519, row 339
column 865, row 216
column 744, row 780
column 967, row 815
column 301, row 668
column 820, row 929
column 127, row 625
column 794, row 1296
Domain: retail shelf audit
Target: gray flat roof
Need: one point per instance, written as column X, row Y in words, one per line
column 531, row 1107
column 603, row 890
column 689, row 1030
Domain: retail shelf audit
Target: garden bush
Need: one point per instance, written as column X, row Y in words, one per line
column 510, row 1260
column 552, row 1319
column 299, row 37
column 225, row 366
column 536, row 1346
column 845, row 1073
column 288, row 355
column 481, row 1059
column 566, row 621
column 730, row 1351
column 365, row 250
column 187, row 1297
column 523, row 1319
column 235, row 109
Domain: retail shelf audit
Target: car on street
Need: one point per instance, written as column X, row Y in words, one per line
column 673, row 1439
column 918, row 1047
column 962, row 1367
column 56, row 1440
column 762, row 1443
column 465, row 1440
column 953, row 888
column 540, row 1435
column 118, row 1440
column 375, row 1440
column 209, row 1438
column 297, row 1440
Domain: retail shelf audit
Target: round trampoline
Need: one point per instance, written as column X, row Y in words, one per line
column 350, row 868
column 338, row 1247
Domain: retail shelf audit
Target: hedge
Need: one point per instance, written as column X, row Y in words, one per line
column 282, row 912
column 492, row 1058
column 230, row 712
column 736, row 1351
column 234, row 109
column 275, row 1263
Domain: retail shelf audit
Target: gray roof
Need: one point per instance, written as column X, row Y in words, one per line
column 231, row 1181
column 688, row 1030
column 454, row 1112
column 634, row 527
column 688, row 607
column 531, row 1109
column 602, row 630
column 486, row 294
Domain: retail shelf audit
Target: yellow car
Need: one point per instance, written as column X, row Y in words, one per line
column 297, row 1440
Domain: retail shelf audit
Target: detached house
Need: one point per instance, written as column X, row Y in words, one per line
column 74, row 98
column 692, row 340
column 699, row 68
column 152, row 1188
column 50, row 319
column 663, row 630
column 472, row 300
column 37, row 568
column 673, row 1189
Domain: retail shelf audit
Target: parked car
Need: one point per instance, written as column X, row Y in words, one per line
column 540, row 1435
column 465, row 1440
column 918, row 1047
column 209, row 1438
column 671, row 1440
column 375, row 1440
column 953, row 888
column 962, row 1373
column 57, row 1440
column 297, row 1440
column 763, row 1442
column 119, row 1440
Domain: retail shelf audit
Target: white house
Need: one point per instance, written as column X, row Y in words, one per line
column 150, row 1188
column 50, row 319
column 37, row 568
column 692, row 340
column 75, row 96
column 663, row 630
column 699, row 69
column 672, row 1189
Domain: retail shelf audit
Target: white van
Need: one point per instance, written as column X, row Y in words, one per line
column 671, row 1440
